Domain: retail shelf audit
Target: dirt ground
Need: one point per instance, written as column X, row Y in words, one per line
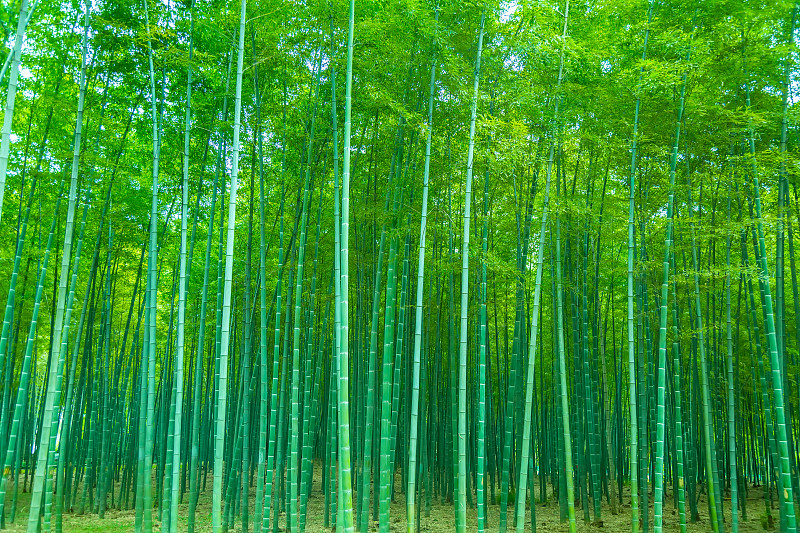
column 441, row 518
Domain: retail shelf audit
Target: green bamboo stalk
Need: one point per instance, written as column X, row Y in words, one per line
column 481, row 459
column 67, row 428
column 521, row 497
column 335, row 486
column 294, row 448
column 258, row 523
column 345, row 506
column 152, row 290
column 784, row 469
column 221, row 406
column 411, row 490
column 311, row 386
column 729, row 385
column 461, row 506
column 386, row 471
column 269, row 489
column 658, row 484
column 716, row 521
column 182, row 290
column 562, row 371
column 5, row 361
column 678, row 417
column 11, row 93
column 25, row 374
column 43, row 448
column 195, row 437
column 634, row 409
column 564, row 402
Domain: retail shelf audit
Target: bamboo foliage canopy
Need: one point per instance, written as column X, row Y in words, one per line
column 423, row 265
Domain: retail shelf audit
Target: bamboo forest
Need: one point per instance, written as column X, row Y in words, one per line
column 399, row 266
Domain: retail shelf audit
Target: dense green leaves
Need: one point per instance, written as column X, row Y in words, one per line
column 397, row 363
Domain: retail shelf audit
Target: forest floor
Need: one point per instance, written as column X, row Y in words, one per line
column 440, row 520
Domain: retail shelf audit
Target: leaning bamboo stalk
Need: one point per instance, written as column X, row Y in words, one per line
column 784, row 469
column 11, row 93
column 535, row 312
column 25, row 374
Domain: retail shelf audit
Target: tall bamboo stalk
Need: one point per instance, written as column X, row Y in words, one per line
column 784, row 469
column 345, row 505
column 414, row 422
column 221, row 405
column 634, row 430
column 461, row 507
